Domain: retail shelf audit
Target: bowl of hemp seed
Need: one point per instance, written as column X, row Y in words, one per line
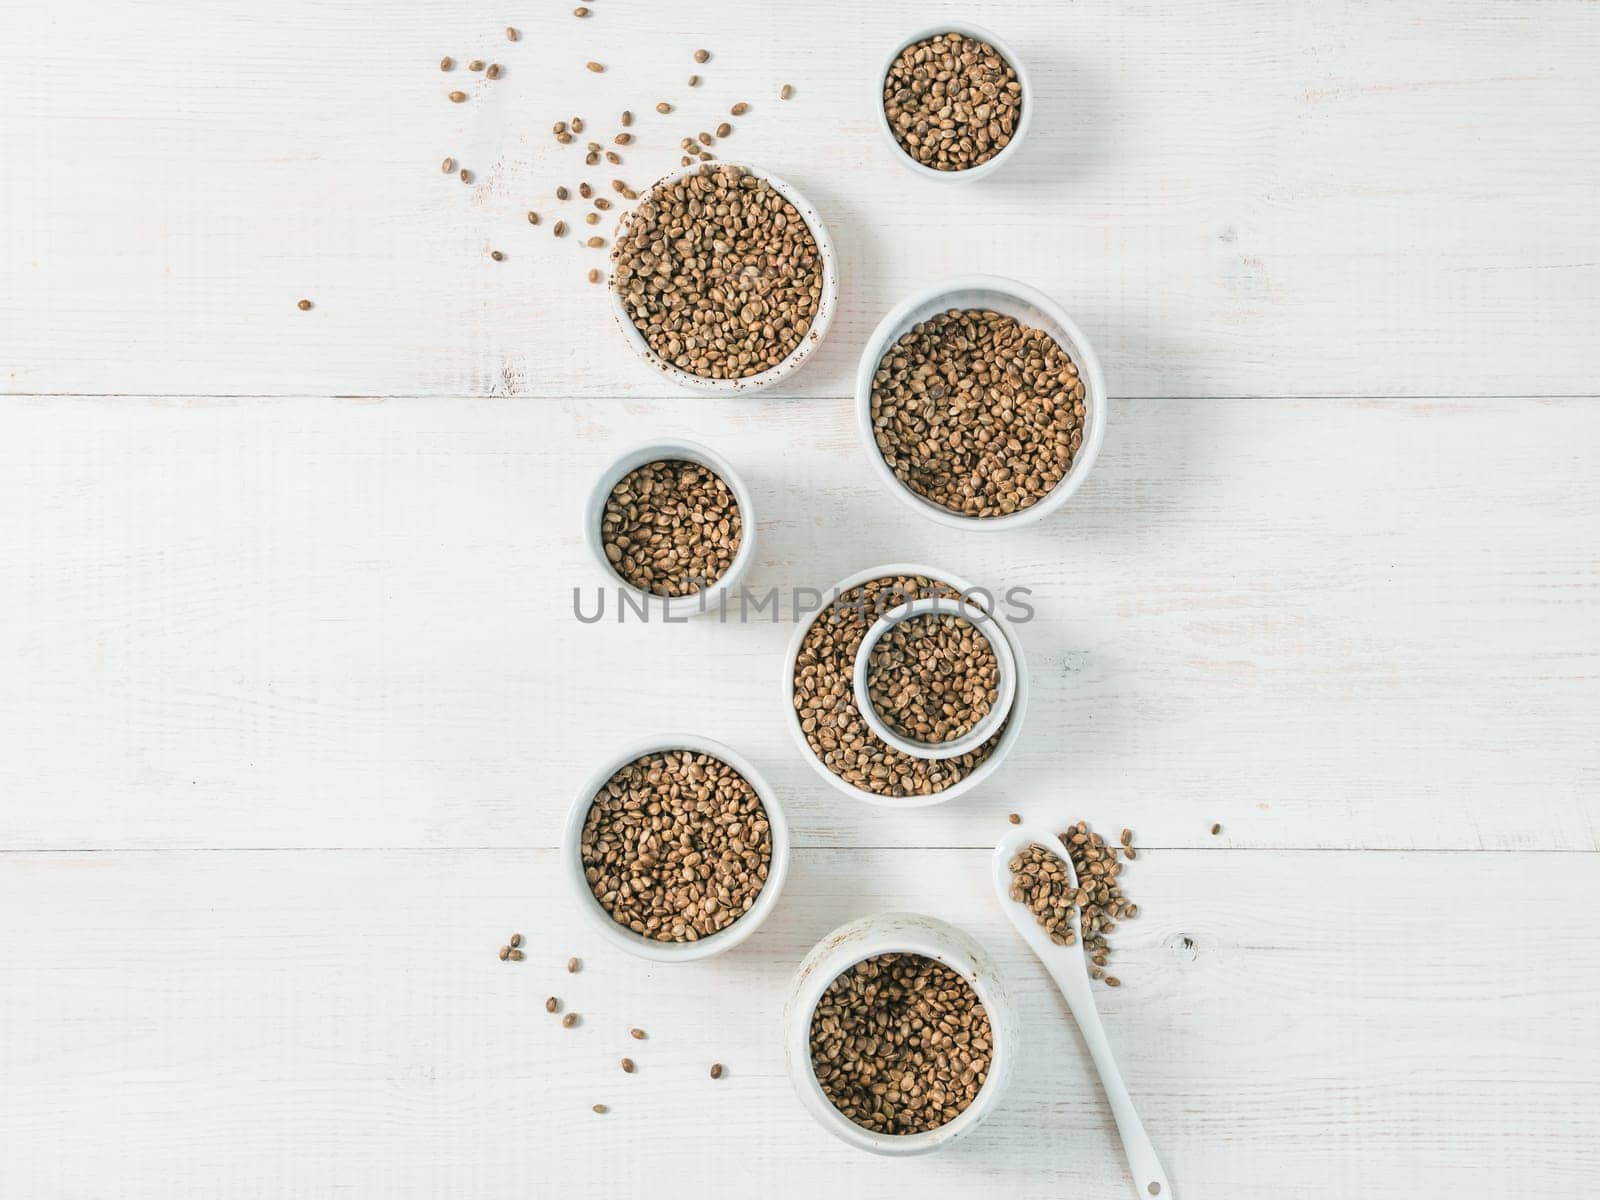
column 954, row 102
column 900, row 1033
column 981, row 403
column 723, row 278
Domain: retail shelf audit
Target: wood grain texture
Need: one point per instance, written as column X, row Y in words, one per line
column 1315, row 197
column 201, row 1024
column 307, row 623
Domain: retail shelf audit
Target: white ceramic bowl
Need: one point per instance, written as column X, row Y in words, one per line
column 708, row 599
column 904, row 933
column 620, row 935
column 1005, row 683
column 1013, row 730
column 1023, row 122
column 808, row 344
column 1027, row 305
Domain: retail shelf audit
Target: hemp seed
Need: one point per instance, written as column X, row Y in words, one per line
column 627, row 1066
column 552, row 1004
column 739, row 109
column 595, row 67
column 716, row 1070
column 447, row 63
column 457, row 97
column 786, row 92
column 303, row 305
column 568, row 1021
column 953, row 102
column 533, row 217
column 933, row 678
column 574, row 965
column 702, row 56
column 637, row 1035
column 671, row 528
column 511, row 33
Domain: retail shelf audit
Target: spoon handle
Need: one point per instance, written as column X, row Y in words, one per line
column 1070, row 972
column 1149, row 1179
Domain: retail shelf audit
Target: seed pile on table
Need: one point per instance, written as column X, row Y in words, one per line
column 676, row 846
column 825, row 704
column 977, row 412
column 671, row 528
column 933, row 678
column 719, row 273
column 1039, row 879
column 900, row 1044
column 952, row 101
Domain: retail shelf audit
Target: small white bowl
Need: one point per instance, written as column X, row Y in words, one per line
column 708, row 599
column 1006, row 684
column 620, row 935
column 808, row 344
column 1008, row 739
column 1027, row 305
column 1024, row 121
column 898, row 933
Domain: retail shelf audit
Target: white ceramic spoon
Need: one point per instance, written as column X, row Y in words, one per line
column 1070, row 969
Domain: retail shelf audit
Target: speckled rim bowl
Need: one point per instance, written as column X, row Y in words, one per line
column 808, row 344
column 1027, row 305
column 708, row 599
column 899, row 933
column 1024, row 122
column 1008, row 739
column 623, row 937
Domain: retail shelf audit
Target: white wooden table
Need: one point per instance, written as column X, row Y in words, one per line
column 292, row 702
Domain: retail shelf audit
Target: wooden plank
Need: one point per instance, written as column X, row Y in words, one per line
column 1316, row 197
column 305, row 623
column 301, row 1023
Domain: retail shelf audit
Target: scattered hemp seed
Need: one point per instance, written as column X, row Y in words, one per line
column 1216, row 829
column 627, row 118
column 303, row 305
column 595, row 243
column 602, row 203
column 585, row 190
column 447, row 63
column 533, row 217
column 552, row 1004
column 574, row 966
column 466, row 175
column 594, row 274
column 1113, row 981
column 739, row 109
column 622, row 139
column 475, row 65
column 457, row 97
column 595, row 67
column 786, row 92
column 716, row 1070
column 702, row 56
column 505, row 953
column 496, row 255
column 617, row 185
column 592, row 218
column 511, row 33
column 577, row 124
column 694, row 81
column 637, row 1035
column 1014, row 818
column 580, row 11
column 663, row 108
column 559, row 127
column 627, row 1066
column 1126, row 837
column 724, row 130
column 592, row 159
column 448, row 166
column 568, row 1021
column 562, row 193
column 560, row 229
column 1041, row 881
column 516, row 956
column 705, row 138
column 613, row 158
column 493, row 72
column 601, row 1108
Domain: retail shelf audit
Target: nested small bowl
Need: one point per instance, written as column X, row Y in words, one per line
column 709, row 598
column 1027, row 305
column 1024, row 119
column 899, row 933
column 976, row 776
column 808, row 343
column 620, row 935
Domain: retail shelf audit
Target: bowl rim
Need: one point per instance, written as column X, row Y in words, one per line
column 809, row 342
column 980, row 774
column 897, row 320
column 900, row 932
column 1006, row 51
column 716, row 943
column 709, row 599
